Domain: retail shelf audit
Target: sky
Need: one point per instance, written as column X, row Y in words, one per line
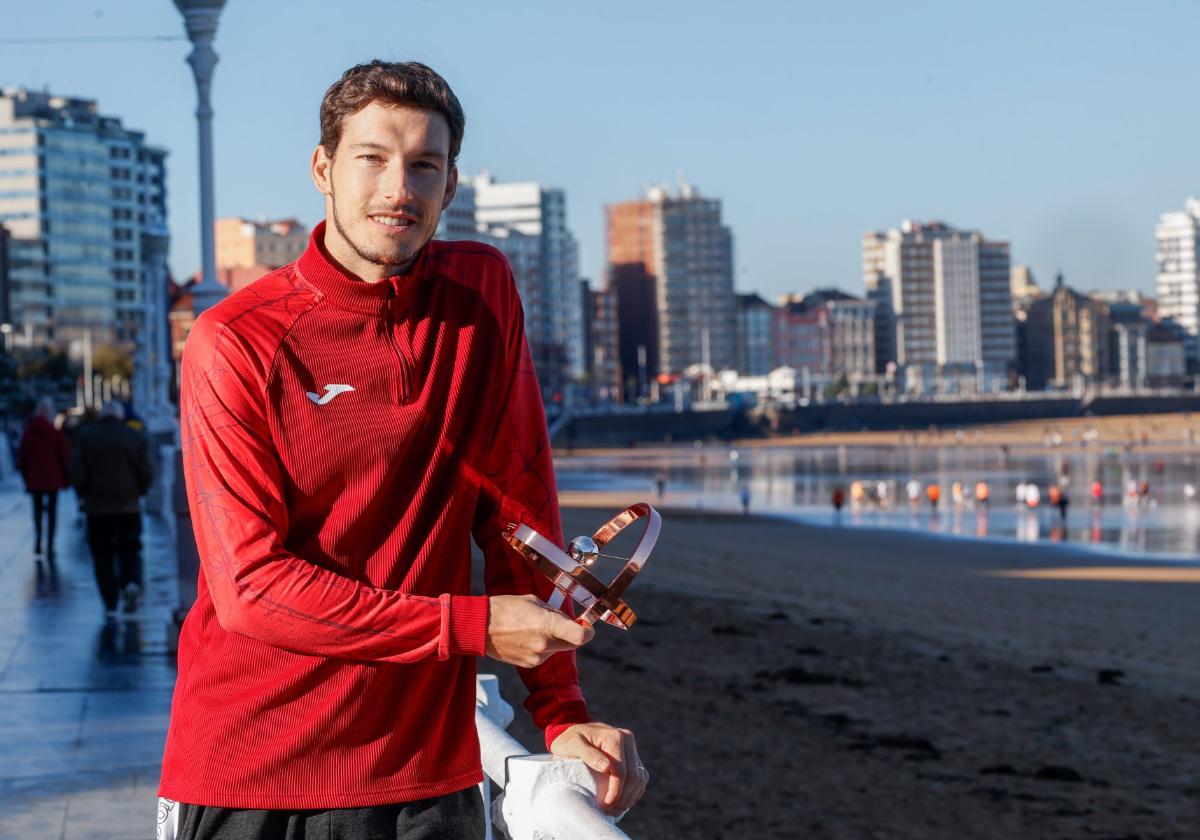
column 1064, row 128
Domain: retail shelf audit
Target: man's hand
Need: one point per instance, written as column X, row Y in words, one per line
column 523, row 631
column 611, row 752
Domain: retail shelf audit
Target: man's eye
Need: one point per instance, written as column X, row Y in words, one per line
column 370, row 158
column 425, row 164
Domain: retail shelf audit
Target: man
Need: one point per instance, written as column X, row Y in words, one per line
column 43, row 459
column 111, row 470
column 348, row 423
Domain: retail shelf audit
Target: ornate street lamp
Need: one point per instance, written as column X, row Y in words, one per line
column 200, row 18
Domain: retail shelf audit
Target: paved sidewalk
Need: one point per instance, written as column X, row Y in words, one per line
column 83, row 702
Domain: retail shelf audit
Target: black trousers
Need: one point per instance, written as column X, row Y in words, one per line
column 44, row 501
column 116, row 543
column 455, row 816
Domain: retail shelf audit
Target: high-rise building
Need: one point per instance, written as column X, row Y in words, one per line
column 943, row 297
column 1177, row 252
column 528, row 222
column 77, row 191
column 673, row 245
column 241, row 243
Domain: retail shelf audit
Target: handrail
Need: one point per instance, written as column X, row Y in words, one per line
column 544, row 797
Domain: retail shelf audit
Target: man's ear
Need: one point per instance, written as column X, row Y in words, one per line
column 451, row 187
column 322, row 171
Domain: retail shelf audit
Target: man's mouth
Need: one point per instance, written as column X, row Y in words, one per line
column 393, row 220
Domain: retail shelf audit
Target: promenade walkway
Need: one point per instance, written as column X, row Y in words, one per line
column 84, row 703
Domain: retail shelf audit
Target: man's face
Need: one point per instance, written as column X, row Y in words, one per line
column 385, row 188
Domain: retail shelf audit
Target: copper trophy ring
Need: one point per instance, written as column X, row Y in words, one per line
column 569, row 571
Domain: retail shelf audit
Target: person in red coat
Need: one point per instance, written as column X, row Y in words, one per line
column 42, row 459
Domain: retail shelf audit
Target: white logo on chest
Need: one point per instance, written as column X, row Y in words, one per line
column 331, row 391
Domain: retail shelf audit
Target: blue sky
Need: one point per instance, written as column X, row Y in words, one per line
column 1065, row 128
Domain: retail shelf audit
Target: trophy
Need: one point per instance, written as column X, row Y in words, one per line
column 569, row 570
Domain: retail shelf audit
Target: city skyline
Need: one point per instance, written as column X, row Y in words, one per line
column 1044, row 127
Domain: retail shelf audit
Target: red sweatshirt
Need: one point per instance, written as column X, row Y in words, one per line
column 342, row 442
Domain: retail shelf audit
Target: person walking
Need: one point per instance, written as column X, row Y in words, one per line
column 43, row 460
column 111, row 470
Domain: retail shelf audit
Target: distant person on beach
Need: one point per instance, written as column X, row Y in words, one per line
column 933, row 493
column 745, row 496
column 43, row 459
column 1057, row 497
column 839, row 499
column 111, row 470
column 660, row 484
column 981, row 492
column 913, row 491
column 1033, row 495
column 1097, row 492
column 351, row 422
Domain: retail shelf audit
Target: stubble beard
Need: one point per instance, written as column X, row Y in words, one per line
column 394, row 260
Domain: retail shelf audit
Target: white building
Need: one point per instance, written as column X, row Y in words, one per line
column 528, row 222
column 78, row 192
column 944, row 300
column 1177, row 252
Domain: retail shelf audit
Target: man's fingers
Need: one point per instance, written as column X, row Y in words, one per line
column 594, row 758
column 567, row 631
column 635, row 775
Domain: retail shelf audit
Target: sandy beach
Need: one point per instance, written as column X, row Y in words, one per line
column 791, row 680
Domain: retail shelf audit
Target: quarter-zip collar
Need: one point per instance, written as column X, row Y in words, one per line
column 349, row 292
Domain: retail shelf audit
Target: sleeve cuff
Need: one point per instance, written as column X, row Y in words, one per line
column 468, row 625
column 553, row 730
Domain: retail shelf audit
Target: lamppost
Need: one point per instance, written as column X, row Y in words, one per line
column 200, row 18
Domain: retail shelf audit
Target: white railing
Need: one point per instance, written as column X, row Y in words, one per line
column 544, row 798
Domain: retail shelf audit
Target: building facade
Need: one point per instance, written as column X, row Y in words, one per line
column 1177, row 253
column 242, row 243
column 1068, row 340
column 943, row 299
column 673, row 246
column 827, row 332
column 528, row 222
column 755, row 335
column 77, row 192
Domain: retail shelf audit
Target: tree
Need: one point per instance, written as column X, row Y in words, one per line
column 110, row 361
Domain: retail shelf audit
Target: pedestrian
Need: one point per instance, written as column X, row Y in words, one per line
column 982, row 493
column 43, row 461
column 660, row 484
column 745, row 495
column 1097, row 492
column 1033, row 495
column 1057, row 496
column 933, row 493
column 349, row 423
column 913, row 491
column 111, row 471
column 839, row 499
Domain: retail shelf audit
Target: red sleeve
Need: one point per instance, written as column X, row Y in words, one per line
column 235, row 492
column 518, row 485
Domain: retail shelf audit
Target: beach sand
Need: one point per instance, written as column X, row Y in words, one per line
column 791, row 680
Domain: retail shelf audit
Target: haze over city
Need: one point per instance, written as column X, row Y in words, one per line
column 1060, row 128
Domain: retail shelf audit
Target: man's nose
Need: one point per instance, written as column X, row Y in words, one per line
column 396, row 186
